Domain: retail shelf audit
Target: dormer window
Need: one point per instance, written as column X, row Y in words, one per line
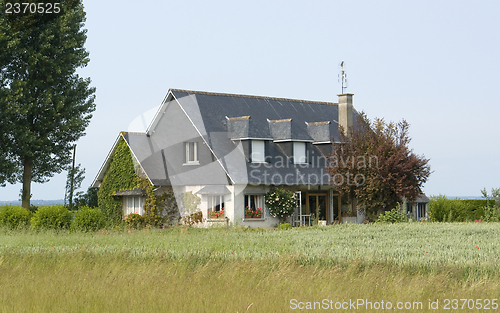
column 191, row 152
column 258, row 151
column 299, row 152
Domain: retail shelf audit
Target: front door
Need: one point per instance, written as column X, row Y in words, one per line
column 317, row 204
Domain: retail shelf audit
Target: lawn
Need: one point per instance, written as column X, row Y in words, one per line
column 226, row 270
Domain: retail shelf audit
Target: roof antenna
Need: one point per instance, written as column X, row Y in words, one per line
column 343, row 76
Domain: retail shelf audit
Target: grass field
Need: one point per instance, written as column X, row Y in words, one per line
column 226, row 270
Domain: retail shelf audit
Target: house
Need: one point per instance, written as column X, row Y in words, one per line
column 417, row 209
column 229, row 150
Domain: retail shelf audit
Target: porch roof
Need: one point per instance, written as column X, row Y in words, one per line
column 214, row 190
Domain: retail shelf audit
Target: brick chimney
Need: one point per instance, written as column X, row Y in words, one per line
column 345, row 111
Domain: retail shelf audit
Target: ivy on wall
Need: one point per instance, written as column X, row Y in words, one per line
column 120, row 176
column 160, row 209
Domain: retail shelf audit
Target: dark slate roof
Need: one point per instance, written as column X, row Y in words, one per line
column 422, row 198
column 151, row 160
column 260, row 115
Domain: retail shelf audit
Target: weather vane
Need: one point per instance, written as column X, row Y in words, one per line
column 343, row 76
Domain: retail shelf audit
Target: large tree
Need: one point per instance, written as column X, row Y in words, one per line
column 45, row 105
column 373, row 164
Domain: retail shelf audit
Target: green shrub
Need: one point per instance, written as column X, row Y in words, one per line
column 134, row 220
column 491, row 213
column 193, row 218
column 281, row 203
column 88, row 219
column 285, row 226
column 442, row 209
column 51, row 217
column 393, row 216
column 14, row 216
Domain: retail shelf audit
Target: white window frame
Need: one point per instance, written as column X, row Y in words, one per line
column 134, row 204
column 215, row 203
column 191, row 145
column 258, row 151
column 299, row 152
column 257, row 201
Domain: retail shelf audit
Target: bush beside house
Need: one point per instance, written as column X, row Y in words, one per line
column 442, row 209
column 14, row 216
column 88, row 219
column 52, row 217
column 395, row 215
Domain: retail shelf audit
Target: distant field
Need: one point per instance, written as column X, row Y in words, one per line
column 226, row 270
column 34, row 202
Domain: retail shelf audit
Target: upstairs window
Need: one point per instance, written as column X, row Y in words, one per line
column 191, row 152
column 258, row 151
column 299, row 152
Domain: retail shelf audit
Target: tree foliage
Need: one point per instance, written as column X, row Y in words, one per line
column 375, row 166
column 45, row 105
column 74, row 181
column 88, row 198
column 495, row 195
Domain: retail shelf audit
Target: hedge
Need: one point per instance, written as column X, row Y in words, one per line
column 442, row 209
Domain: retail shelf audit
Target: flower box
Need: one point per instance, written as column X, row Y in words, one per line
column 253, row 213
column 216, row 214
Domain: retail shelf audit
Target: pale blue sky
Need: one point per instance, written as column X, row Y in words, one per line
column 433, row 63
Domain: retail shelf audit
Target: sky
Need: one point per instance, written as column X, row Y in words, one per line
column 433, row 63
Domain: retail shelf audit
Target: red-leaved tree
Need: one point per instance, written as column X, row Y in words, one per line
column 374, row 166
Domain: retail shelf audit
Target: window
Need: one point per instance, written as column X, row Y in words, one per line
column 258, row 151
column 299, row 152
column 421, row 210
column 133, row 205
column 254, row 206
column 216, row 206
column 409, row 208
column 191, row 152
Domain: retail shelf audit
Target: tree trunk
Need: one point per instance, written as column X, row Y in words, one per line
column 26, row 194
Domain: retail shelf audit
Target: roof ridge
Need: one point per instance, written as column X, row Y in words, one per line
column 208, row 93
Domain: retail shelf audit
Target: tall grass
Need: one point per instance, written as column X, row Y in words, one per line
column 109, row 284
column 226, row 270
column 423, row 245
